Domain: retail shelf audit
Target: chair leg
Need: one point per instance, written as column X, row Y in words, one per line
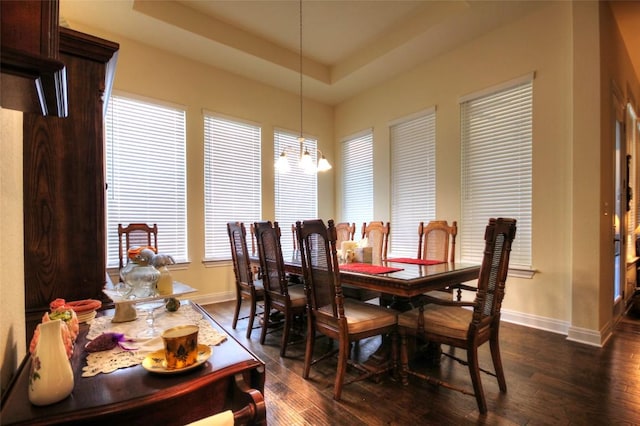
column 497, row 362
column 252, row 315
column 404, row 359
column 265, row 320
column 308, row 355
column 236, row 314
column 394, row 354
column 474, row 371
column 343, row 356
column 285, row 333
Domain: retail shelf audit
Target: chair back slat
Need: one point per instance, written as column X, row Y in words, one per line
column 270, row 252
column 320, row 265
column 499, row 236
column 239, row 252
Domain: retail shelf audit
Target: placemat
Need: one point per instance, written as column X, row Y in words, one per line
column 113, row 359
column 414, row 261
column 367, row 268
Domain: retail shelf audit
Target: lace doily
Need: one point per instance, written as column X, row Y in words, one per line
column 113, row 359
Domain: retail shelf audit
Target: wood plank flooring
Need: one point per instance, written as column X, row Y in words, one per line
column 550, row 381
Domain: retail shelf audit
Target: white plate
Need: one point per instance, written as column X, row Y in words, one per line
column 155, row 362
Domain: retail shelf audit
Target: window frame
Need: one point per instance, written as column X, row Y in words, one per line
column 472, row 225
column 240, row 194
column 132, row 161
column 357, row 174
column 412, row 141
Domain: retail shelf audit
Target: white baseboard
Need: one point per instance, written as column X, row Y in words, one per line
column 591, row 337
column 575, row 334
column 535, row 321
column 209, row 298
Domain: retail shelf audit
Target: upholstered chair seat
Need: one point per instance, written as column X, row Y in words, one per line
column 362, row 317
column 446, row 320
column 297, row 296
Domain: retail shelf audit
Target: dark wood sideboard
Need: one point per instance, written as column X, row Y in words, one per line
column 32, row 78
column 232, row 379
column 64, row 183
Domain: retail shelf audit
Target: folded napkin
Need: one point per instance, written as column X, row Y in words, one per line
column 414, row 261
column 367, row 268
column 221, row 419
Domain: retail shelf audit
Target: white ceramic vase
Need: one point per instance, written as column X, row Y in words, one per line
column 51, row 376
column 165, row 282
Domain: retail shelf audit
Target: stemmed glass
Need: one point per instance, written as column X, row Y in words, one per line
column 150, row 308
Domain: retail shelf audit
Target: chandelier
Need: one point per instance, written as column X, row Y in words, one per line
column 305, row 160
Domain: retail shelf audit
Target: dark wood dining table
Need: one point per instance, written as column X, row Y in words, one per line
column 404, row 286
column 411, row 280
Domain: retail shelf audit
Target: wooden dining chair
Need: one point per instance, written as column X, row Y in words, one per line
column 453, row 323
column 135, row 234
column 437, row 241
column 345, row 231
column 328, row 312
column 246, row 287
column 377, row 235
column 289, row 299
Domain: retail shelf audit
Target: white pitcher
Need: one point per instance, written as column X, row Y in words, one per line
column 51, row 376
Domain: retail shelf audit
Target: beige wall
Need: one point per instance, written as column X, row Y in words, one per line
column 571, row 291
column 12, row 326
column 539, row 43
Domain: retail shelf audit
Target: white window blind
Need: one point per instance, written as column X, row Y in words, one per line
column 413, row 180
column 146, row 173
column 295, row 191
column 357, row 189
column 232, row 182
column 496, row 168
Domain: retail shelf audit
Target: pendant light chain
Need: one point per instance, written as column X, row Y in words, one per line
column 300, row 66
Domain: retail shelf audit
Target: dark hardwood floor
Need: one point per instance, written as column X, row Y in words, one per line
column 550, row 381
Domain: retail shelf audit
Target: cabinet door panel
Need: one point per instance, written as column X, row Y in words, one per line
column 64, row 186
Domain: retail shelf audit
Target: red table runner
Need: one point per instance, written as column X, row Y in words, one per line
column 367, row 268
column 414, row 261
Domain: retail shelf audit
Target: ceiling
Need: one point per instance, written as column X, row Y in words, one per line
column 347, row 45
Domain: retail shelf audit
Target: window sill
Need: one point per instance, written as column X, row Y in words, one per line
column 522, row 273
column 217, row 263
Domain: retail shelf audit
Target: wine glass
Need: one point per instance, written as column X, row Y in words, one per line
column 150, row 309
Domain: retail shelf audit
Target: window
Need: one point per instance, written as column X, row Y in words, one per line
column 357, row 186
column 413, row 179
column 232, row 183
column 146, row 173
column 496, row 167
column 295, row 191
